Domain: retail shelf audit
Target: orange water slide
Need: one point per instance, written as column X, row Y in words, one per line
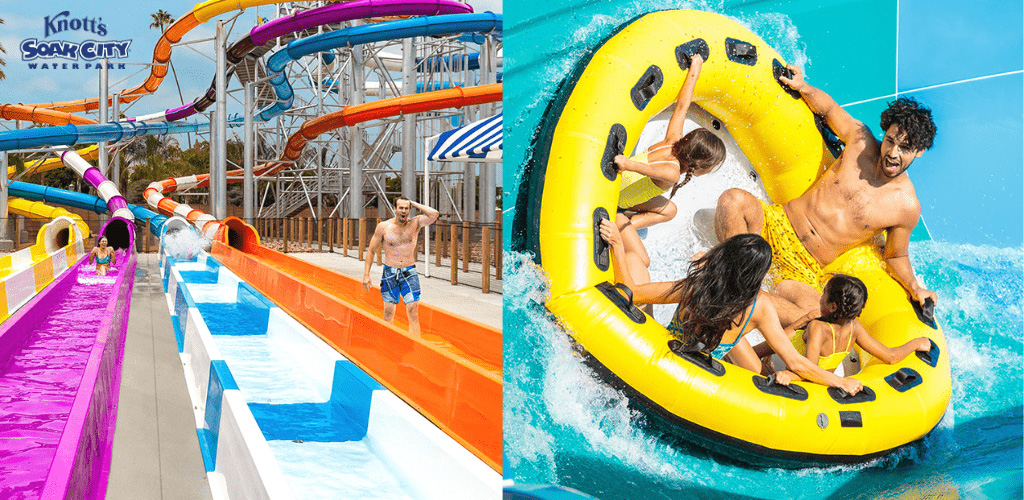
column 351, row 115
column 451, row 373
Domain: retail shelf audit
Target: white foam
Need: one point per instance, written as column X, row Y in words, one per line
column 185, row 243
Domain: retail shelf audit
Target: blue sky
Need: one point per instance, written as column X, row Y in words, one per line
column 124, row 20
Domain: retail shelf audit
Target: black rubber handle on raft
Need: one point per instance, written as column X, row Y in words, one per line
column 779, row 70
column 685, row 52
column 600, row 246
column 647, row 87
column 770, row 386
column 741, row 52
column 931, row 357
column 615, row 146
column 904, row 379
column 704, row 361
column 624, row 303
column 832, row 141
column 842, row 397
column 925, row 312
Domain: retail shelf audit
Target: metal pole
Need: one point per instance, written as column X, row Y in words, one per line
column 487, row 177
column 220, row 210
column 247, row 153
column 356, row 136
column 116, row 175
column 319, row 143
column 6, row 245
column 213, row 160
column 408, row 121
column 104, row 88
column 425, row 199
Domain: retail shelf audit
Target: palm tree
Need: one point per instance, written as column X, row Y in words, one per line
column 2, row 62
column 160, row 19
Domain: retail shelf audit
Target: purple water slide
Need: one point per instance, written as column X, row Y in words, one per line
column 59, row 382
column 116, row 203
column 335, row 13
column 360, row 9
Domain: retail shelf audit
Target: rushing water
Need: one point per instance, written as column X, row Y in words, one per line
column 563, row 426
column 40, row 379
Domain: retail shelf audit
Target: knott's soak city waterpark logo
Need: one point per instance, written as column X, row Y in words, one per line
column 40, row 51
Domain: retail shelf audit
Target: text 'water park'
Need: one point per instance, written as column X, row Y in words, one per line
column 251, row 249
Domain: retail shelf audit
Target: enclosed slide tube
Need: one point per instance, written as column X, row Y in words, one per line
column 394, row 30
column 350, row 115
column 116, row 203
column 37, row 210
column 83, row 201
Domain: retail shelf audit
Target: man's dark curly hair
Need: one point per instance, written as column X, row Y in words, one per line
column 913, row 119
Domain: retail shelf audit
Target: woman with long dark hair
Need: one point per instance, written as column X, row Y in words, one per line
column 720, row 300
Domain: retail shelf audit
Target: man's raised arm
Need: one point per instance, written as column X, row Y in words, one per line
column 428, row 215
column 897, row 257
column 839, row 120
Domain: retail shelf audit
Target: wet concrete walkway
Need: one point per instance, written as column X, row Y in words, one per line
column 156, row 451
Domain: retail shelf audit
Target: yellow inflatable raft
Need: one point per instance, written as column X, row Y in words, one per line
column 570, row 183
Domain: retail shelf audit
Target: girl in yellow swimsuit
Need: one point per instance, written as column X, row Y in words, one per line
column 841, row 303
column 647, row 176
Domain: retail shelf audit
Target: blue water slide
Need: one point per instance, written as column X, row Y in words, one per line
column 348, row 37
column 70, row 135
column 83, row 201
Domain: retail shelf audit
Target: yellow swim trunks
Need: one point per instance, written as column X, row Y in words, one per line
column 790, row 260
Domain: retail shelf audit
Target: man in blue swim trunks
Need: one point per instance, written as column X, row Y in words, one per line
column 399, row 280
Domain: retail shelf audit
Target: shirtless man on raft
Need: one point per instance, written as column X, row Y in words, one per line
column 864, row 193
column 399, row 280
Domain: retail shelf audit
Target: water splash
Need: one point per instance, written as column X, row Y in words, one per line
column 185, row 244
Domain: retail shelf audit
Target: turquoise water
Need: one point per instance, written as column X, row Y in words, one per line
column 563, row 426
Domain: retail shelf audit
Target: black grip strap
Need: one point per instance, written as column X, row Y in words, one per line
column 625, row 304
column 832, row 141
column 925, row 312
column 931, row 357
column 646, row 87
column 614, row 146
column 842, row 397
column 601, row 259
column 741, row 52
column 904, row 379
column 701, row 359
column 778, row 71
column 685, row 52
column 770, row 386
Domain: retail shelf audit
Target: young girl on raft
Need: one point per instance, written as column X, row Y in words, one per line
column 830, row 338
column 720, row 301
column 104, row 256
column 650, row 174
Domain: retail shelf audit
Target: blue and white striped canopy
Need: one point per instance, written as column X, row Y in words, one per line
column 479, row 141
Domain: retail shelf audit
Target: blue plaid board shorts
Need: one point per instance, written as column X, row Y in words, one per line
column 398, row 284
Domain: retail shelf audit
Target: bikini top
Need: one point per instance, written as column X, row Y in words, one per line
column 830, row 362
column 638, row 188
column 676, row 327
